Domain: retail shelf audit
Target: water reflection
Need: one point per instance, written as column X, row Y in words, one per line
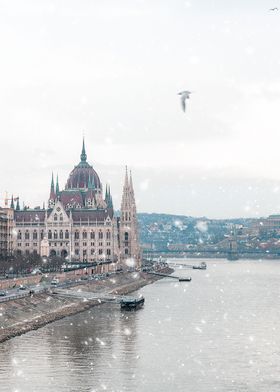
column 217, row 333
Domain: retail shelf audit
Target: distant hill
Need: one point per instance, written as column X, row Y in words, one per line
column 161, row 230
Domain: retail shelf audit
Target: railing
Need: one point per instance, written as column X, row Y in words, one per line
column 23, row 295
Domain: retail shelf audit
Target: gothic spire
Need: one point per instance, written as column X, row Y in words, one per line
column 57, row 186
column 83, row 154
column 12, row 202
column 131, row 184
column 52, row 183
column 126, row 178
column 110, row 200
column 52, row 192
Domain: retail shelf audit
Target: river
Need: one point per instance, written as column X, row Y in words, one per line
column 219, row 332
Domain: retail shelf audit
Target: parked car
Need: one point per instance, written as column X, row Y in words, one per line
column 21, row 287
column 36, row 271
column 3, row 293
column 55, row 281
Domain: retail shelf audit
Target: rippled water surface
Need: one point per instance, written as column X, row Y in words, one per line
column 218, row 333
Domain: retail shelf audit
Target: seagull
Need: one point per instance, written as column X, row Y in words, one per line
column 273, row 9
column 184, row 95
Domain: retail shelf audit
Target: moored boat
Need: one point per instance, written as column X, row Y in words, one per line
column 201, row 266
column 132, row 303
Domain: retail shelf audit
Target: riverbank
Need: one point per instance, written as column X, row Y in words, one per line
column 26, row 314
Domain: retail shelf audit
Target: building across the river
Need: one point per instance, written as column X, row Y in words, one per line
column 79, row 223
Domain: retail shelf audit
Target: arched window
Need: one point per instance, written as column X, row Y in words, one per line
column 84, row 235
column 126, row 216
column 19, row 235
column 61, row 217
column 42, row 234
column 35, row 235
column 126, row 236
column 61, row 235
column 55, row 235
column 92, row 235
column 108, row 235
column 55, row 217
column 100, row 235
column 126, row 251
column 66, row 234
column 26, row 236
column 77, row 235
column 49, row 235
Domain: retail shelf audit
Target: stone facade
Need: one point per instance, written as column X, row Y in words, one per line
column 129, row 241
column 6, row 231
column 79, row 223
column 3, row 234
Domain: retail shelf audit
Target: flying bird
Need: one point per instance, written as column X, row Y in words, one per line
column 184, row 95
column 273, row 9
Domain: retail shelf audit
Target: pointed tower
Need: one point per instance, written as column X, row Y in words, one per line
column 129, row 243
column 52, row 194
column 18, row 206
column 110, row 200
column 83, row 154
column 57, row 186
column 90, row 201
column 12, row 203
column 108, row 197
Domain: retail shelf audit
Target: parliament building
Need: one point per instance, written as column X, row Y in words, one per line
column 79, row 223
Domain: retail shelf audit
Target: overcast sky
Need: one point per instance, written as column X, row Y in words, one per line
column 113, row 68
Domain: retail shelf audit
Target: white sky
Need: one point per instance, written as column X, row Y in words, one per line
column 113, row 68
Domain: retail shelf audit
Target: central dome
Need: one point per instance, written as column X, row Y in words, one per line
column 83, row 175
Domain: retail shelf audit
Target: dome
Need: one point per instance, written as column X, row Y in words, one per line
column 83, row 175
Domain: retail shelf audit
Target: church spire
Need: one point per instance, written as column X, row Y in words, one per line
column 131, row 184
column 12, row 202
column 83, row 154
column 57, row 186
column 52, row 194
column 129, row 242
column 110, row 200
column 52, row 184
column 126, row 178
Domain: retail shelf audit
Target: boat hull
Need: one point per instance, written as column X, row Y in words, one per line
column 132, row 304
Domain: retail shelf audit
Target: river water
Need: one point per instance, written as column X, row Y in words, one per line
column 220, row 332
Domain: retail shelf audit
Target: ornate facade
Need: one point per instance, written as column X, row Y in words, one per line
column 3, row 234
column 6, row 231
column 79, row 223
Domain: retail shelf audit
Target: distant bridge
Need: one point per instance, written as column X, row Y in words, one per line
column 219, row 252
